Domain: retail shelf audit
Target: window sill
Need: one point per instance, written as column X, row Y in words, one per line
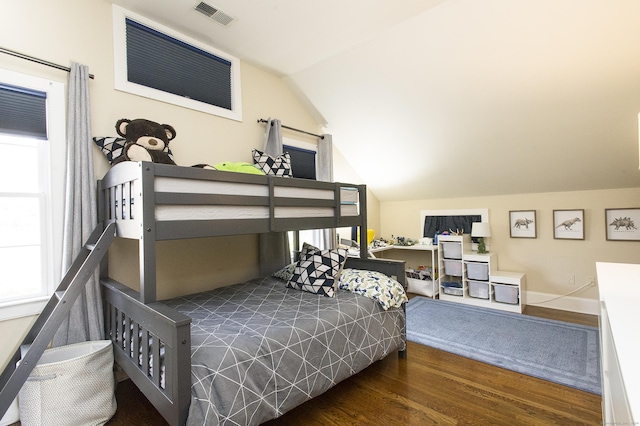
column 22, row 309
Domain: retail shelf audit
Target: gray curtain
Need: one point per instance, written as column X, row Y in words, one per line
column 85, row 321
column 274, row 246
column 325, row 173
column 273, row 138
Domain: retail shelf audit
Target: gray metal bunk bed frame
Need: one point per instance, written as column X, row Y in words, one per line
column 152, row 343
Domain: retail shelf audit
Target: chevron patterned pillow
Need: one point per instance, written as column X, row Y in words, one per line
column 275, row 166
column 318, row 271
column 112, row 147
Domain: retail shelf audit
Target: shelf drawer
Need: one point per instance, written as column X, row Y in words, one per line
column 479, row 289
column 452, row 288
column 478, row 271
column 506, row 293
column 453, row 267
column 452, row 250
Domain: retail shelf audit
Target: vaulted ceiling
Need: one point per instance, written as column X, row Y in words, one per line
column 450, row 98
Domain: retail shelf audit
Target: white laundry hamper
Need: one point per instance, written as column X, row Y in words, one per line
column 71, row 385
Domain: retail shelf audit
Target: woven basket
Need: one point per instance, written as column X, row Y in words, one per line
column 71, row 385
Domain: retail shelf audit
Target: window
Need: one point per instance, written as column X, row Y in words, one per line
column 303, row 157
column 303, row 165
column 161, row 64
column 31, row 138
column 303, row 162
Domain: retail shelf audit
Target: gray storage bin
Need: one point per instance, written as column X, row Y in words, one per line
column 71, row 385
column 479, row 289
column 505, row 293
column 453, row 288
column 452, row 250
column 478, row 271
column 453, row 267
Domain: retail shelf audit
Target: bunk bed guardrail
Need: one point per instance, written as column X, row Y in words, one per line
column 152, row 202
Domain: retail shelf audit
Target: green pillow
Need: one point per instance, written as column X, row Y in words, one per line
column 239, row 167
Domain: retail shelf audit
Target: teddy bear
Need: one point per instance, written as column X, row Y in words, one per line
column 145, row 141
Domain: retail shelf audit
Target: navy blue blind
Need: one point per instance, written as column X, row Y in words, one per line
column 303, row 162
column 164, row 63
column 433, row 224
column 23, row 112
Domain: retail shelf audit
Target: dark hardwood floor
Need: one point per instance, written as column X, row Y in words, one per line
column 428, row 387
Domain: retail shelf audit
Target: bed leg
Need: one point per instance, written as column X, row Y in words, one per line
column 402, row 354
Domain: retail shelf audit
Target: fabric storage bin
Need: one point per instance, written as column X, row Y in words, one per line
column 71, row 385
column 478, row 271
column 479, row 289
column 420, row 282
column 423, row 287
column 505, row 293
column 453, row 267
column 452, row 250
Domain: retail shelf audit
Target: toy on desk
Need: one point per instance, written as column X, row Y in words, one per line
column 402, row 241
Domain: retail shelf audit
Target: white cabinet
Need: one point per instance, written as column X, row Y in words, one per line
column 619, row 288
column 474, row 279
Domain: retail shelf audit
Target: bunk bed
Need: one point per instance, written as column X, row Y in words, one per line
column 155, row 343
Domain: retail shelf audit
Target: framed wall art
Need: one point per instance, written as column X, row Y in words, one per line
column 568, row 224
column 522, row 223
column 622, row 224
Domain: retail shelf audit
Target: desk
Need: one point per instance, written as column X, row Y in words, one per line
column 427, row 288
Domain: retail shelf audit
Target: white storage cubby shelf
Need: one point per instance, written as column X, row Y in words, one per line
column 474, row 279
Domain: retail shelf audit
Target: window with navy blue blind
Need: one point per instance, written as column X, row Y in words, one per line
column 32, row 132
column 165, row 63
column 303, row 162
column 23, row 112
column 157, row 62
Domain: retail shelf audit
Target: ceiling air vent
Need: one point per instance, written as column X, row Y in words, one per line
column 213, row 13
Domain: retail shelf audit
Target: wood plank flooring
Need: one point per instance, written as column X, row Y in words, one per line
column 429, row 387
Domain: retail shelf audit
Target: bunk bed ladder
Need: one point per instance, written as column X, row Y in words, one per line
column 56, row 310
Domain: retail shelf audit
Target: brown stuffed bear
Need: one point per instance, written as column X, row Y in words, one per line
column 145, row 141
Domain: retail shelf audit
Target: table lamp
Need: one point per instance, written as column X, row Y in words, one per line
column 481, row 230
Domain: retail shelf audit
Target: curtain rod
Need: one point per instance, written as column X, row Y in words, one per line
column 36, row 60
column 262, row 120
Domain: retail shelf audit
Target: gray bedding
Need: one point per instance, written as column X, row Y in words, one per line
column 260, row 349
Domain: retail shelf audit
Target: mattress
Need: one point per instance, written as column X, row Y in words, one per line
column 168, row 212
column 260, row 349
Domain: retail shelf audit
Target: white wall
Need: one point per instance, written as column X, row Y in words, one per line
column 546, row 261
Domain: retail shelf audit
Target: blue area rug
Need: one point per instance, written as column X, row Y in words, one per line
column 556, row 351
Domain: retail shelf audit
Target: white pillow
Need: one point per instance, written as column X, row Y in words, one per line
column 388, row 292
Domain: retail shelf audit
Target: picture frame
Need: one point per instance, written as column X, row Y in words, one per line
column 568, row 224
column 622, row 224
column 522, row 223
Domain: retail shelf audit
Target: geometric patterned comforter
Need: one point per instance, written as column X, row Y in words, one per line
column 259, row 349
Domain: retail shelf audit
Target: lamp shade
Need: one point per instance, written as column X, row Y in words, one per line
column 480, row 229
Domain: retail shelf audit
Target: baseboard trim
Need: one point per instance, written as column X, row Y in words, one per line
column 566, row 303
